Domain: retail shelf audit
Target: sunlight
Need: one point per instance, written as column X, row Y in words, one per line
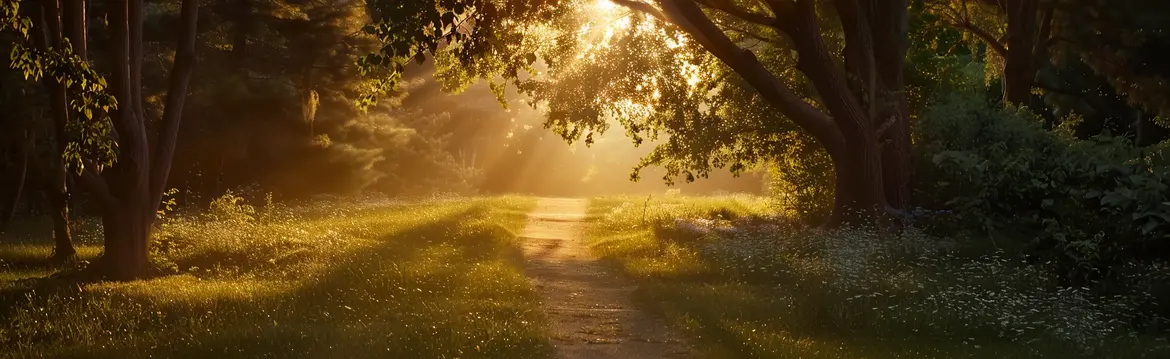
column 604, row 7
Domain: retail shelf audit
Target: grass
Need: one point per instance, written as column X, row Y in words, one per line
column 440, row 279
column 743, row 285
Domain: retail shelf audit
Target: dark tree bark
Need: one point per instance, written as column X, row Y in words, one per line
column 891, row 26
column 1018, row 71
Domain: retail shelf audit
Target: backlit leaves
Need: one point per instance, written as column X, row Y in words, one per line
column 89, row 131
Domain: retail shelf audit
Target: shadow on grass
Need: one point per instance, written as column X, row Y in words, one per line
column 449, row 287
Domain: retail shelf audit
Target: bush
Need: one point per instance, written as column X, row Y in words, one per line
column 1084, row 206
column 863, row 281
column 800, row 179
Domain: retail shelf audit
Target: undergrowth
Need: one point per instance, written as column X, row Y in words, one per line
column 747, row 284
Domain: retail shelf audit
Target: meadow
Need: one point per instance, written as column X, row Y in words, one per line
column 745, row 283
column 444, row 278
column 431, row 279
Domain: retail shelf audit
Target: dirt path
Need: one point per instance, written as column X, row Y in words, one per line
column 588, row 305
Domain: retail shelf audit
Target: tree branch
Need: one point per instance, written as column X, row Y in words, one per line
column 859, row 48
column 738, row 12
column 180, row 77
column 642, row 7
column 992, row 43
column 688, row 16
column 748, row 33
column 781, row 8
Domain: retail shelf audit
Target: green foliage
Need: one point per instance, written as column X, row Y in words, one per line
column 231, row 208
column 10, row 19
column 800, row 180
column 89, row 137
column 410, row 30
column 169, row 202
column 940, row 59
column 1087, row 205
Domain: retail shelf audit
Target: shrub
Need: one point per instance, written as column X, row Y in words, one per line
column 800, row 179
column 911, row 283
column 1085, row 206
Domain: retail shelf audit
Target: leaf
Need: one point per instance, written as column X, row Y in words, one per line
column 1149, row 227
column 1113, row 198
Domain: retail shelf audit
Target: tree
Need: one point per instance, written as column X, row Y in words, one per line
column 1112, row 37
column 60, row 25
column 275, row 107
column 131, row 190
column 1022, row 45
column 55, row 31
column 1079, row 54
column 859, row 115
column 128, row 191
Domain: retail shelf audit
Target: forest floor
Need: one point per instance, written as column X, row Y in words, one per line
column 516, row 277
column 588, row 305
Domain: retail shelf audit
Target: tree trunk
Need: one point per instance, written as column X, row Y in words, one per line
column 127, row 235
column 1029, row 26
column 131, row 190
column 1019, row 70
column 858, row 162
column 48, row 20
column 58, row 185
column 849, row 134
column 21, row 177
column 858, row 194
column 891, row 27
column 62, row 238
column 896, row 166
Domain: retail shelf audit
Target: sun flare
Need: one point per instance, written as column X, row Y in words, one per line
column 604, row 6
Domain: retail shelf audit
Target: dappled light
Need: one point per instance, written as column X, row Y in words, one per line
column 585, row 179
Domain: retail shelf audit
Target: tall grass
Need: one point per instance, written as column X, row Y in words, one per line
column 385, row 279
column 748, row 284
